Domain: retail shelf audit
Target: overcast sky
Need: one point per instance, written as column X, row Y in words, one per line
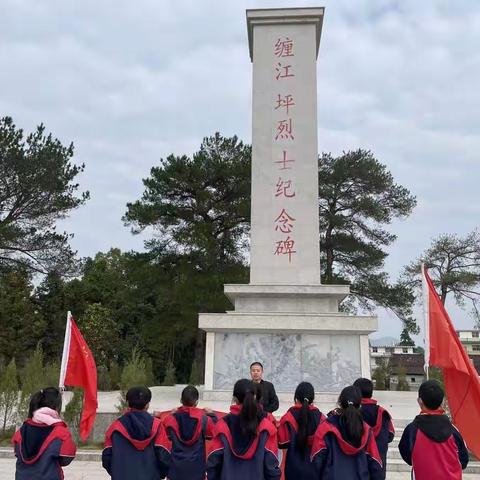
column 131, row 82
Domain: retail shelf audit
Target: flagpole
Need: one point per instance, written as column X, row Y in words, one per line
column 66, row 350
column 426, row 321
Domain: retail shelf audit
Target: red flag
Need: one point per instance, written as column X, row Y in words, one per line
column 79, row 370
column 462, row 383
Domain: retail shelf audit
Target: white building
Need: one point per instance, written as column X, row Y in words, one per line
column 470, row 339
column 384, row 352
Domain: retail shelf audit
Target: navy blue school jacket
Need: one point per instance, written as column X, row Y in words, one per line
column 234, row 457
column 434, row 447
column 187, row 429
column 42, row 450
column 381, row 424
column 334, row 458
column 297, row 462
column 136, row 447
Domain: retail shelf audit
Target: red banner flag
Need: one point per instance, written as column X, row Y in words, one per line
column 462, row 383
column 79, row 370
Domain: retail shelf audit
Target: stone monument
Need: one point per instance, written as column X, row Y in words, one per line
column 284, row 317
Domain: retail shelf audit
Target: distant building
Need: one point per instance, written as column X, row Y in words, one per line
column 380, row 354
column 470, row 339
column 413, row 366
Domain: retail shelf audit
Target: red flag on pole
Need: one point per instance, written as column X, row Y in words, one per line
column 444, row 350
column 79, row 370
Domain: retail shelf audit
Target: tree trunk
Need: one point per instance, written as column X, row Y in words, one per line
column 199, row 356
column 329, row 254
column 443, row 297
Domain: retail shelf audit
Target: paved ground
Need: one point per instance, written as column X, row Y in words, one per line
column 93, row 471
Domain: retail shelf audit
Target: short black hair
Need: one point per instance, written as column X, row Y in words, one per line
column 256, row 363
column 138, row 397
column 365, row 386
column 431, row 394
column 189, row 396
column 48, row 397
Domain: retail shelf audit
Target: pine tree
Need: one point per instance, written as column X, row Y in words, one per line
column 9, row 395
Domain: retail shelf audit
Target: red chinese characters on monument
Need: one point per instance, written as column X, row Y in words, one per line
column 284, row 130
column 283, row 71
column 286, row 247
column 284, row 104
column 284, row 188
column 283, row 47
column 284, row 222
column 285, row 161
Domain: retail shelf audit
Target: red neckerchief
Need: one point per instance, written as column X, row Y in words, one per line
column 438, row 411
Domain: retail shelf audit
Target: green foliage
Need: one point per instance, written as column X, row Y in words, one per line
column 453, row 263
column 194, row 376
column 103, row 379
column 358, row 198
column 381, row 375
column 51, row 373
column 115, row 373
column 32, row 379
column 150, row 378
column 73, row 413
column 52, row 301
column 37, row 189
column 21, row 325
column 35, row 375
column 169, row 379
column 405, row 338
column 200, row 204
column 9, row 395
column 98, row 328
column 134, row 373
column 402, row 384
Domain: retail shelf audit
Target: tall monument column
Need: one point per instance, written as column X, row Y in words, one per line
column 284, row 317
column 284, row 237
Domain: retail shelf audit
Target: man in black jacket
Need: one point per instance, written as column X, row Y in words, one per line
column 269, row 397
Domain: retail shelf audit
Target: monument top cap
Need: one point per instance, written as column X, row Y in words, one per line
column 284, row 16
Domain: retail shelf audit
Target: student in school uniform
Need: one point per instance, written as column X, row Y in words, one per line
column 187, row 428
column 295, row 433
column 344, row 446
column 136, row 445
column 431, row 444
column 245, row 441
column 377, row 418
column 43, row 444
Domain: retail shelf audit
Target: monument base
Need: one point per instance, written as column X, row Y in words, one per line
column 296, row 331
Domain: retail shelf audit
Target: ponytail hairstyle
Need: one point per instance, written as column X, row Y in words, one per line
column 246, row 393
column 304, row 395
column 48, row 397
column 351, row 419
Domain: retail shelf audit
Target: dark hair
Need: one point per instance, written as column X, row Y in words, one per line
column 48, row 397
column 138, row 397
column 246, row 393
column 189, row 396
column 351, row 419
column 365, row 386
column 431, row 394
column 304, row 394
column 256, row 363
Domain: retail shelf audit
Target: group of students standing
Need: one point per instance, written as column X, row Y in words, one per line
column 350, row 442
